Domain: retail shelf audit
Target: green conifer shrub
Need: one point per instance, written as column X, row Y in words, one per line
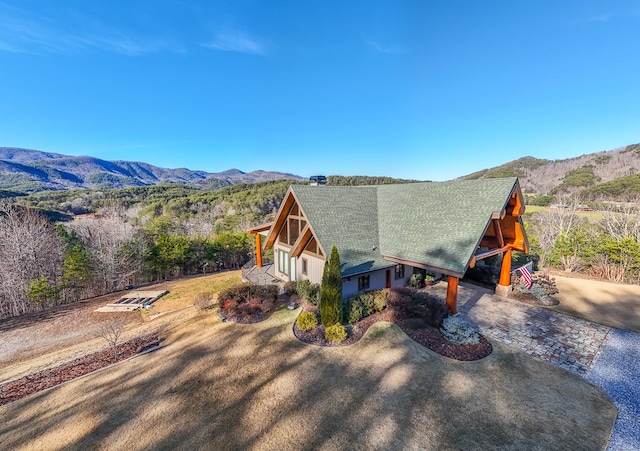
column 336, row 333
column 306, row 321
column 330, row 304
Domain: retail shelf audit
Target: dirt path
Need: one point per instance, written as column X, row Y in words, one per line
column 611, row 304
column 229, row 386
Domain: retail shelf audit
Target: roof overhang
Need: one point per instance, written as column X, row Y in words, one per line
column 433, row 268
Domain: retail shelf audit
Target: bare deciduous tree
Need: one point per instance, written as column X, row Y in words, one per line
column 111, row 329
column 110, row 241
column 551, row 224
column 30, row 250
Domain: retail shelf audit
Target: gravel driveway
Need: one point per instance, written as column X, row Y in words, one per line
column 617, row 371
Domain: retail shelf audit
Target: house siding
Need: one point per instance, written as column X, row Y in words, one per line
column 315, row 265
column 315, row 268
column 377, row 281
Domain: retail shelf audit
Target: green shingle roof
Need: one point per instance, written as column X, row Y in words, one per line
column 345, row 217
column 435, row 224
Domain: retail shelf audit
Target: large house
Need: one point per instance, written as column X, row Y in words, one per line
column 384, row 233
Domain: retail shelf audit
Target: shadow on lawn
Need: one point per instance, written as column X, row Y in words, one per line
column 624, row 313
column 232, row 386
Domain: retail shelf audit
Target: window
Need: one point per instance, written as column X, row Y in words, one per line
column 399, row 272
column 283, row 262
column 304, row 266
column 363, row 282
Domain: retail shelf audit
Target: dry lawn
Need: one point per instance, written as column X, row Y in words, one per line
column 227, row 386
column 41, row 340
column 612, row 304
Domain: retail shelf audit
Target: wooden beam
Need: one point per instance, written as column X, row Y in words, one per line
column 452, row 294
column 505, row 269
column 302, row 241
column 258, row 251
column 281, row 218
column 489, row 253
column 498, row 231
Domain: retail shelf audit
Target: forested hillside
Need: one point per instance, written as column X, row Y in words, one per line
column 607, row 175
column 113, row 238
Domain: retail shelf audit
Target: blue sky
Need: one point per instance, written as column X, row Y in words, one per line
column 428, row 90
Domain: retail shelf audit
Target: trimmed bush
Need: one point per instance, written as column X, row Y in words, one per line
column 336, row 333
column 458, row 332
column 307, row 321
column 418, row 304
column 415, row 281
column 246, row 298
column 380, row 300
column 308, row 291
column 353, row 310
column 290, row 288
column 364, row 304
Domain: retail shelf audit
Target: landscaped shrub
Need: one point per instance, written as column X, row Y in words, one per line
column 336, row 333
column 246, row 298
column 458, row 332
column 418, row 304
column 364, row 304
column 415, row 281
column 290, row 288
column 307, row 321
column 308, row 291
column 543, row 287
column 380, row 300
column 330, row 304
column 353, row 310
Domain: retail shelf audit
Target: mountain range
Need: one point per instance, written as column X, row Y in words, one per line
column 613, row 174
column 25, row 170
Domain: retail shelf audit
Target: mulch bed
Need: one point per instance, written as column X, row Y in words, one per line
column 429, row 337
column 41, row 380
column 257, row 316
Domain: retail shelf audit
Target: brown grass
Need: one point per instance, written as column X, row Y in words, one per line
column 251, row 387
column 44, row 339
column 612, row 304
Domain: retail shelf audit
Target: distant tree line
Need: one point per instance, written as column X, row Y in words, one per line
column 606, row 247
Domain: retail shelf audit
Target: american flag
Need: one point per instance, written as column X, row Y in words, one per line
column 526, row 274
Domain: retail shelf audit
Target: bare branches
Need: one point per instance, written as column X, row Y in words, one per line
column 30, row 250
column 111, row 329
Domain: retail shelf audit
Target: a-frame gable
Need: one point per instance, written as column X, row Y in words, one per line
column 293, row 222
column 505, row 230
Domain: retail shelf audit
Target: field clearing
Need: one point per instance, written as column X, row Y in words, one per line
column 221, row 385
column 593, row 216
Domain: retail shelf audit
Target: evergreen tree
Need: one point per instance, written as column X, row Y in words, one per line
column 77, row 268
column 331, row 291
